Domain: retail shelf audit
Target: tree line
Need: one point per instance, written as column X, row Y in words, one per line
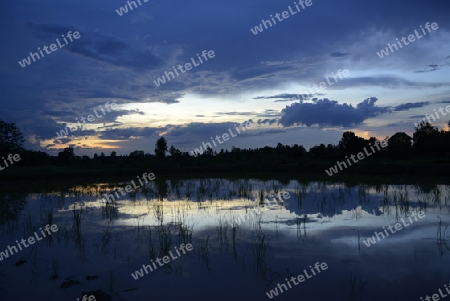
column 427, row 142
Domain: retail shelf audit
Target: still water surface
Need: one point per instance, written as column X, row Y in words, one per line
column 241, row 247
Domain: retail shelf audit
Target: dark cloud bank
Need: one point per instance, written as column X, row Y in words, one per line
column 327, row 112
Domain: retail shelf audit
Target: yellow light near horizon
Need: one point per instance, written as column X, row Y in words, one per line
column 93, row 142
column 367, row 134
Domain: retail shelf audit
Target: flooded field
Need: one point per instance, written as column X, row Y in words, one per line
column 220, row 239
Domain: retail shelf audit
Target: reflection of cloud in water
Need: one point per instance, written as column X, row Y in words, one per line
column 319, row 222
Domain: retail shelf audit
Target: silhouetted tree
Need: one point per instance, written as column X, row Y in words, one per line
column 174, row 152
column 11, row 138
column 318, row 150
column 425, row 138
column 137, row 154
column 161, row 148
column 137, row 157
column 399, row 145
column 67, row 154
column 29, row 157
column 298, row 150
column 208, row 152
column 351, row 144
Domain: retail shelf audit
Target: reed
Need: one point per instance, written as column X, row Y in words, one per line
column 233, row 231
column 205, row 249
column 185, row 233
column 110, row 210
column 437, row 197
column 164, row 238
column 261, row 197
column 76, row 230
column 300, row 192
column 356, row 286
column 55, row 268
column 77, row 219
column 159, row 211
column 256, row 222
column 151, row 246
column 33, row 260
column 259, row 249
column 116, row 243
column 441, row 235
column 222, row 230
column 276, row 226
column 106, row 237
column 27, row 224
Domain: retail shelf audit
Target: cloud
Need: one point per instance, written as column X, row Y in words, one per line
column 234, row 113
column 284, row 95
column 340, row 54
column 166, row 101
column 269, row 113
column 192, row 131
column 330, row 113
column 410, row 105
column 60, row 141
column 98, row 93
column 395, row 124
column 129, row 133
column 99, row 117
column 417, row 117
column 269, row 132
column 99, row 47
column 273, row 63
column 292, row 99
column 430, row 68
column 118, row 59
column 267, row 120
column 289, row 97
column 389, row 82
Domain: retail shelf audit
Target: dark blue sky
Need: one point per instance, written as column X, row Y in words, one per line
column 251, row 77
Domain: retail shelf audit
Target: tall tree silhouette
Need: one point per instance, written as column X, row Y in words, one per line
column 11, row 138
column 67, row 154
column 351, row 144
column 399, row 145
column 161, row 148
column 426, row 138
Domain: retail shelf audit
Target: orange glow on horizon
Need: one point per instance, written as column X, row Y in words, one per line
column 83, row 143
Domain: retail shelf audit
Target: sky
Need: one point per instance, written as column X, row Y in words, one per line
column 266, row 78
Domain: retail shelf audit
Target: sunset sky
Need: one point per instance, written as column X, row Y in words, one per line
column 251, row 77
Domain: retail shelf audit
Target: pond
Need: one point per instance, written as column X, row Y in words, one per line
column 226, row 239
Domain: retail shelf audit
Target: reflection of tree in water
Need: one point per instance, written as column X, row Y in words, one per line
column 11, row 204
column 426, row 187
column 162, row 189
column 433, row 194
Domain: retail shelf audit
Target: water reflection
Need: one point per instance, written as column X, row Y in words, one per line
column 244, row 243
